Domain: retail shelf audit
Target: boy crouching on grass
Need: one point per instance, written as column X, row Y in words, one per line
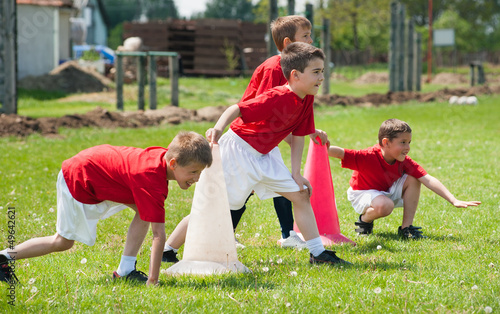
column 251, row 159
column 385, row 177
column 103, row 180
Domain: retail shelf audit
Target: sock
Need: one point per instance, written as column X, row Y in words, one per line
column 315, row 246
column 169, row 248
column 127, row 265
column 4, row 252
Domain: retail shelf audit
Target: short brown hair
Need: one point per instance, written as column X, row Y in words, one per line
column 297, row 56
column 391, row 128
column 188, row 147
column 287, row 26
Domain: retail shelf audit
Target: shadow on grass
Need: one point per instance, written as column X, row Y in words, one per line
column 40, row 94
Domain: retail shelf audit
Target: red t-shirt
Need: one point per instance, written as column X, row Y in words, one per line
column 267, row 75
column 126, row 175
column 372, row 172
column 267, row 119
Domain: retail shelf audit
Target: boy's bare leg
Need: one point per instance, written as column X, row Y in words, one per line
column 382, row 206
column 304, row 215
column 178, row 236
column 135, row 236
column 411, row 196
column 40, row 246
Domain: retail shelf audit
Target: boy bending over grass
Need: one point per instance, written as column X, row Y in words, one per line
column 385, row 177
column 103, row 180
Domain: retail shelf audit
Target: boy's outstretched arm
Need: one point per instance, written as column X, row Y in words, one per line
column 437, row 187
column 297, row 148
column 336, row 152
column 231, row 113
column 159, row 238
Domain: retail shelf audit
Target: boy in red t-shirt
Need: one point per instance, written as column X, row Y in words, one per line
column 103, row 180
column 285, row 30
column 385, row 177
column 251, row 159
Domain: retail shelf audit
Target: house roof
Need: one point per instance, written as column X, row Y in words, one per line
column 51, row 3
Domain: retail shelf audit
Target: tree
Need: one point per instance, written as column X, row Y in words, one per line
column 359, row 24
column 229, row 9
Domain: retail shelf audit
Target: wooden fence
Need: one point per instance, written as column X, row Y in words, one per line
column 207, row 46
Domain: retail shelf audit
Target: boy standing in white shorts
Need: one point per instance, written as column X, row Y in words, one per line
column 103, row 180
column 385, row 177
column 251, row 159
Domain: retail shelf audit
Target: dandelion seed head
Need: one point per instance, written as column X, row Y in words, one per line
column 257, row 235
column 474, row 287
column 293, row 273
column 83, row 261
column 379, row 247
column 34, row 289
column 51, row 210
column 377, row 290
column 31, row 281
column 288, row 304
column 279, row 261
column 488, row 309
column 491, row 265
column 266, row 269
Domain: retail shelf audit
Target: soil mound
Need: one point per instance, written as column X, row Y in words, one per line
column 69, row 77
column 15, row 125
column 373, row 78
column 450, row 79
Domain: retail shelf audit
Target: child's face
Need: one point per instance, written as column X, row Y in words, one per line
column 398, row 148
column 186, row 175
column 309, row 81
column 303, row 35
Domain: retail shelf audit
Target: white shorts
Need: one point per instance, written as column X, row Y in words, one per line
column 78, row 221
column 245, row 169
column 362, row 199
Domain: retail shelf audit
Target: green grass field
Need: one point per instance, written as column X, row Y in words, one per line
column 455, row 270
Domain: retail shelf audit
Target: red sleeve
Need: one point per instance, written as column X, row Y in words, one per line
column 413, row 169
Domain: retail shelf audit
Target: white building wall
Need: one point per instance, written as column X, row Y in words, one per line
column 65, row 52
column 38, row 48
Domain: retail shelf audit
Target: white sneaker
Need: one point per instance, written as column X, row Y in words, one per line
column 293, row 241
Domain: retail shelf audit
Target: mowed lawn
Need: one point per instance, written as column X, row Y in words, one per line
column 455, row 270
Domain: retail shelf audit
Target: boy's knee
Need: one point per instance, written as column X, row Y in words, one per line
column 62, row 244
column 383, row 205
column 411, row 182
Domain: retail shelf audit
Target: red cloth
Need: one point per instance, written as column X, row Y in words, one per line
column 371, row 171
column 267, row 75
column 267, row 119
column 126, row 175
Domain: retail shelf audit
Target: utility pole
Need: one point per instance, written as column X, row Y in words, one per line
column 429, row 46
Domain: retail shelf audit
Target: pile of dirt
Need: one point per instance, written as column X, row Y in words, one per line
column 373, row 78
column 450, row 79
column 69, row 77
column 15, row 125
column 400, row 97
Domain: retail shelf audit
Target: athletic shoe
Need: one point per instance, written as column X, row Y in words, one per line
column 364, row 228
column 7, row 274
column 327, row 257
column 411, row 232
column 169, row 257
column 293, row 241
column 238, row 244
column 136, row 275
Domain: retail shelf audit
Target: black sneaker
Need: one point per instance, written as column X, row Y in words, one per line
column 364, row 228
column 169, row 257
column 135, row 275
column 7, row 274
column 327, row 257
column 411, row 232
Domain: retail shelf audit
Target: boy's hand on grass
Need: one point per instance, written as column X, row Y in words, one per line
column 301, row 181
column 465, row 204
